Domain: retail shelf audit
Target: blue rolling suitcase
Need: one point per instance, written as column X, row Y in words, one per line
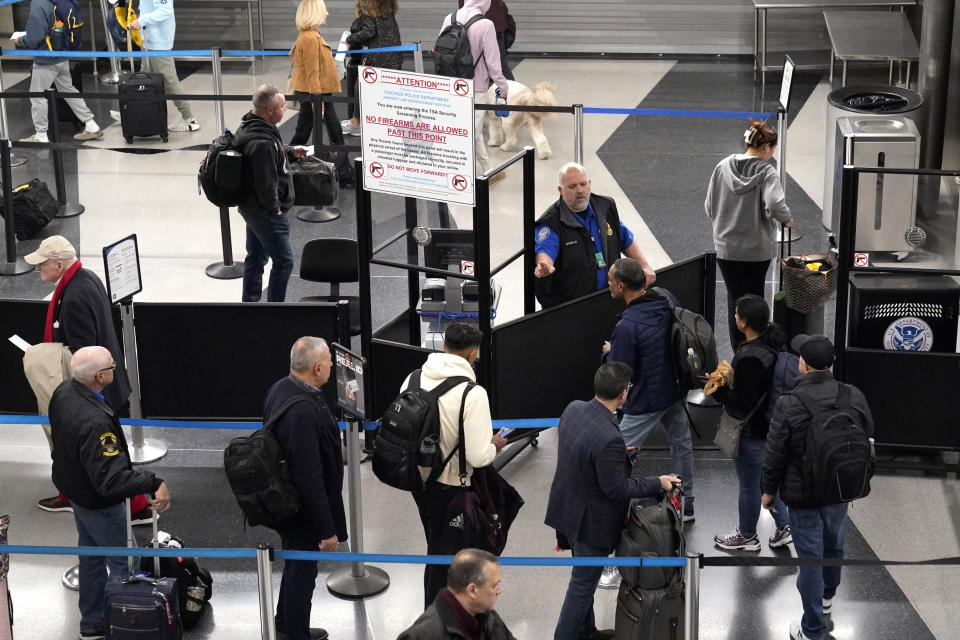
column 139, row 608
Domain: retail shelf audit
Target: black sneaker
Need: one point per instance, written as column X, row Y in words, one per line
column 56, row 503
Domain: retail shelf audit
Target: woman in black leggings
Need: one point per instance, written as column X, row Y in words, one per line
column 744, row 202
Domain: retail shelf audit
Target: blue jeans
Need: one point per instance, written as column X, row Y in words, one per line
column 267, row 238
column 817, row 533
column 296, row 587
column 749, row 464
column 98, row 528
column 576, row 615
column 636, row 428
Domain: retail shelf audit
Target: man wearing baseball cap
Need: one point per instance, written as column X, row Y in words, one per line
column 79, row 316
column 817, row 527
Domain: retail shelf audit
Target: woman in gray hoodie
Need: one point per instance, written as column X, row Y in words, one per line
column 744, row 202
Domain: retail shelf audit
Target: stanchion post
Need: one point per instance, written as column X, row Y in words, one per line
column 578, row 133
column 13, row 265
column 358, row 580
column 265, row 590
column 67, row 209
column 142, row 450
column 114, row 76
column 319, row 213
column 228, row 269
column 418, row 58
column 15, row 161
column 691, row 597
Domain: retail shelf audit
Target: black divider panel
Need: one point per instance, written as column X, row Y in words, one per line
column 394, row 361
column 546, row 360
column 24, row 318
column 216, row 361
column 911, row 395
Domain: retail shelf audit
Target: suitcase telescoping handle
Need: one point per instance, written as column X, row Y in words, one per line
column 131, row 541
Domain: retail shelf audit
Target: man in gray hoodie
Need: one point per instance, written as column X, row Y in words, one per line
column 51, row 71
column 744, row 202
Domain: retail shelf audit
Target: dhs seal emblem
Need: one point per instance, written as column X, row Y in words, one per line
column 908, row 334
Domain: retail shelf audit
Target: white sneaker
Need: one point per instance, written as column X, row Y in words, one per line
column 796, row 631
column 350, row 129
column 37, row 137
column 185, row 126
column 610, row 579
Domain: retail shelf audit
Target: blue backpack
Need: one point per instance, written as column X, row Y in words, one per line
column 67, row 35
column 786, row 370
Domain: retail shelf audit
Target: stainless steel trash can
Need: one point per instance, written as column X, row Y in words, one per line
column 869, row 101
column 886, row 204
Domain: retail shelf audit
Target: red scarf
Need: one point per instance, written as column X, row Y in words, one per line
column 55, row 300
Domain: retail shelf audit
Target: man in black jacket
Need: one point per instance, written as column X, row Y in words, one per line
column 91, row 467
column 79, row 316
column 817, row 528
column 268, row 195
column 310, row 440
column 464, row 608
column 577, row 239
column 591, row 493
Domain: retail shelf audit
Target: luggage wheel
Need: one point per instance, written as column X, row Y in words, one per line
column 129, row 139
column 535, row 442
column 164, row 138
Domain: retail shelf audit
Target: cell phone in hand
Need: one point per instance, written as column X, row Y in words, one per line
column 507, row 431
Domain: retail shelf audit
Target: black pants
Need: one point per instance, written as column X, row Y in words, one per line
column 353, row 108
column 296, row 586
column 503, row 58
column 432, row 505
column 305, row 121
column 741, row 278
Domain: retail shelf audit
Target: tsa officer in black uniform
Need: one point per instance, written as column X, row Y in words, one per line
column 577, row 239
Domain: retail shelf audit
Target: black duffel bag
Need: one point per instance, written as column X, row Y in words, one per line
column 314, row 182
column 33, row 208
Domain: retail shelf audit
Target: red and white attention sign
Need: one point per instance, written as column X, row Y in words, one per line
column 419, row 129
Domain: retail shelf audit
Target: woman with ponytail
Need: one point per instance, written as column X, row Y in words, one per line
column 744, row 202
column 745, row 396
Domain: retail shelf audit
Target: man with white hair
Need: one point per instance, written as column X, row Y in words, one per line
column 79, row 316
column 577, row 239
column 92, row 468
column 310, row 440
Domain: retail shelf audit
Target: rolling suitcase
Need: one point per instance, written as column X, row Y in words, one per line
column 143, row 106
column 141, row 607
column 650, row 604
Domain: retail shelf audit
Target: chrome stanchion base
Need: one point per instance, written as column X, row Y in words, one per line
column 610, row 578
column 16, row 161
column 70, row 210
column 343, row 584
column 71, row 578
column 221, row 271
column 17, row 268
column 699, row 398
column 151, row 451
column 109, row 77
column 319, row 214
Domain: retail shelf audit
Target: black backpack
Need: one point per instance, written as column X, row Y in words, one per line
column 258, row 473
column 194, row 583
column 451, row 52
column 409, row 419
column 838, row 457
column 221, row 171
column 690, row 330
column 654, row 529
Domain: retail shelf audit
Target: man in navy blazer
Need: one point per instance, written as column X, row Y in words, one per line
column 591, row 493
